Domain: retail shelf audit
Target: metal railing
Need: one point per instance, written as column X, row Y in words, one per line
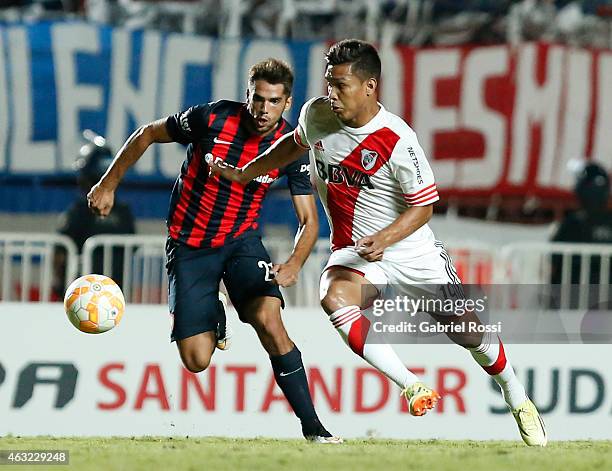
column 27, row 265
column 579, row 272
column 142, row 274
column 137, row 262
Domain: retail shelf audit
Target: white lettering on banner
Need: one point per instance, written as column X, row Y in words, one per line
column 602, row 145
column 27, row 155
column 4, row 107
column 180, row 51
column 479, row 65
column 574, row 127
column 429, row 118
column 128, row 99
column 225, row 73
column 258, row 50
column 471, row 134
column 316, row 72
column 392, row 87
column 535, row 104
column 72, row 97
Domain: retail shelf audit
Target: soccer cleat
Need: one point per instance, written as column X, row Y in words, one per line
column 325, row 440
column 224, row 337
column 314, row 432
column 530, row 424
column 223, row 333
column 420, row 398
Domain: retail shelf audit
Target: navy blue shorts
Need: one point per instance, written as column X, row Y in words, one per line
column 194, row 276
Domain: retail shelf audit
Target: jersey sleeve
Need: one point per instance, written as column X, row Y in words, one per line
column 411, row 169
column 298, row 176
column 189, row 125
column 300, row 132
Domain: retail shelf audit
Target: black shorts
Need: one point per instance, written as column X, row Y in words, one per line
column 194, row 276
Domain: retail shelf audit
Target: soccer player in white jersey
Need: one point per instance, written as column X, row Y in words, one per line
column 378, row 190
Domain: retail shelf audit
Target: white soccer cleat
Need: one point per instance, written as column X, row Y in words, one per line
column 325, row 440
column 530, row 424
column 420, row 398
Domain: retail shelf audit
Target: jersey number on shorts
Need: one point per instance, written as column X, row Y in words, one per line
column 268, row 267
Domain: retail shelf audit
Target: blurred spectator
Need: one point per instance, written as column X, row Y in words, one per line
column 79, row 223
column 414, row 22
column 531, row 20
column 591, row 223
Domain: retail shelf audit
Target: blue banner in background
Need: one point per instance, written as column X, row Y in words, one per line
column 60, row 78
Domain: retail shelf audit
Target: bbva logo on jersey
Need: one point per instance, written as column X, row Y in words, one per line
column 368, row 158
column 334, row 173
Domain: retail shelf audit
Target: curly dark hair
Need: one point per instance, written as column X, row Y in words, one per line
column 273, row 71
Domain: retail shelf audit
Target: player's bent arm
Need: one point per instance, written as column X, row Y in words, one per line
column 407, row 223
column 308, row 229
column 281, row 153
column 132, row 150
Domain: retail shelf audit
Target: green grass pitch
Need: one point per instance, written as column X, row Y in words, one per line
column 174, row 454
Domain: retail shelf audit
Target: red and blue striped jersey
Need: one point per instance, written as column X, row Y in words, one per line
column 209, row 211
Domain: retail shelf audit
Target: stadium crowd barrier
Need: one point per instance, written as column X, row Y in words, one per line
column 27, row 266
column 585, row 267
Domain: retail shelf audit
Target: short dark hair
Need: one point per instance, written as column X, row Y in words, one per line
column 273, row 71
column 362, row 55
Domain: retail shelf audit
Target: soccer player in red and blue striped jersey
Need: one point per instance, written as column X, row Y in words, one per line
column 213, row 230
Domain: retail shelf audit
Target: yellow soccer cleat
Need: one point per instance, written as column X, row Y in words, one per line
column 420, row 398
column 530, row 424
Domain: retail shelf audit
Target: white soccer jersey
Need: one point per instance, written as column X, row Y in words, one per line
column 366, row 177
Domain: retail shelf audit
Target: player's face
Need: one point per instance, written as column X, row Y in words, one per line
column 266, row 103
column 347, row 92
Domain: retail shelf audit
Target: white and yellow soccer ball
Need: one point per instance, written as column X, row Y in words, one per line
column 94, row 304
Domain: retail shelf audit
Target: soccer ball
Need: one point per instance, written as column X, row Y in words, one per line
column 94, row 304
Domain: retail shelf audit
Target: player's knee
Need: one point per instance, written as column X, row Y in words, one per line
column 333, row 299
column 196, row 363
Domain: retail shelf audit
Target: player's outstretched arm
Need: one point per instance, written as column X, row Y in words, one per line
column 286, row 274
column 281, row 153
column 372, row 247
column 101, row 197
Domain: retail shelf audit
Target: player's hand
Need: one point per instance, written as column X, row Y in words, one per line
column 285, row 274
column 100, row 200
column 371, row 247
column 218, row 167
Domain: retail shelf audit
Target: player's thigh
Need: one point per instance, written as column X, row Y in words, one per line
column 248, row 276
column 193, row 286
column 431, row 280
column 349, row 280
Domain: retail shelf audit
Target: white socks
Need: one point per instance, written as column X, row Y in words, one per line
column 353, row 327
column 491, row 356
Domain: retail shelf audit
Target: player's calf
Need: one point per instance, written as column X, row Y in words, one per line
column 264, row 316
column 342, row 293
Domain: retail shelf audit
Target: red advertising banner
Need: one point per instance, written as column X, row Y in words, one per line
column 501, row 119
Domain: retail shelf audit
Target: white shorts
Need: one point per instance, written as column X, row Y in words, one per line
column 398, row 274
